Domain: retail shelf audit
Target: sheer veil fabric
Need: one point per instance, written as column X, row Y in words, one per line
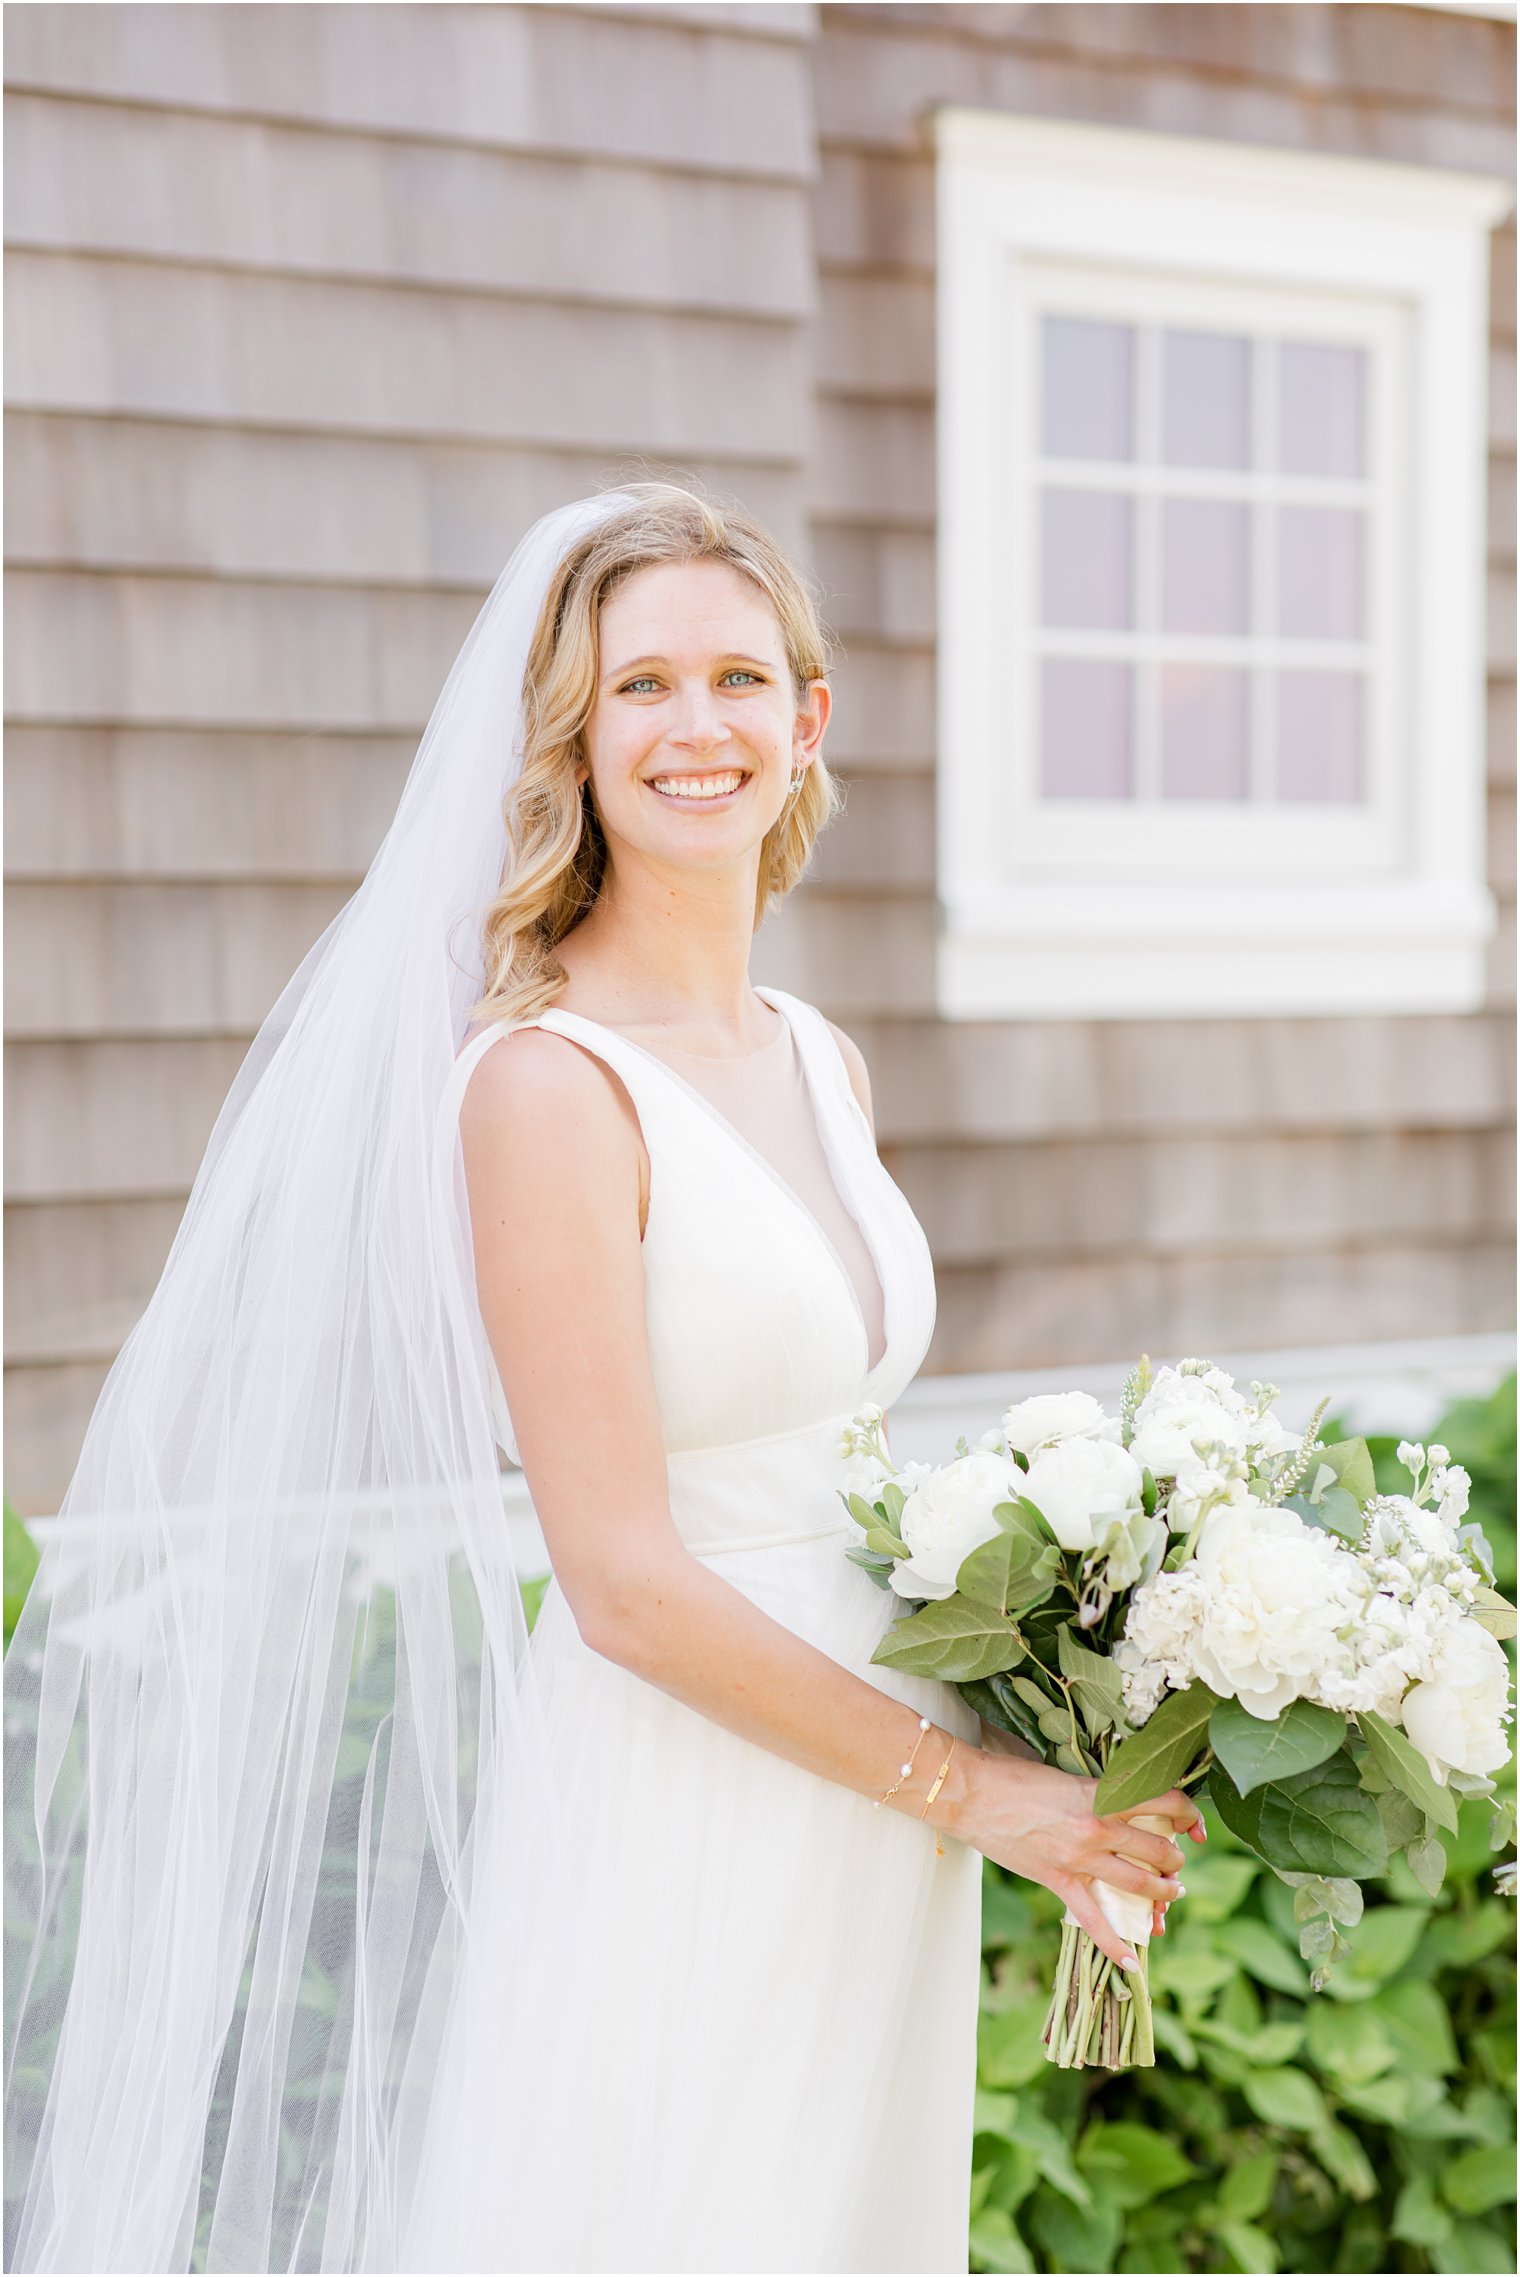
column 271, row 1687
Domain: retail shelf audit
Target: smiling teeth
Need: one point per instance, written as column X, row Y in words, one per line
column 699, row 787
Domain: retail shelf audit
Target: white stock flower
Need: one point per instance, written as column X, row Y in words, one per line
column 1080, row 1486
column 1411, row 1455
column 947, row 1517
column 1453, row 1490
column 864, row 1475
column 1202, row 1487
column 1180, row 1414
column 1033, row 1424
column 1438, row 1457
column 1456, row 1716
column 1280, row 1603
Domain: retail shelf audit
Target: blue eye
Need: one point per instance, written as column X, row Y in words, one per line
column 632, row 687
column 740, row 673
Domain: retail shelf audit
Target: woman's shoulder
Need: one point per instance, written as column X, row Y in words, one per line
column 543, row 1083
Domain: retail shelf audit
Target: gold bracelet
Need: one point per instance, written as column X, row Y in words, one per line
column 923, row 1726
column 939, row 1848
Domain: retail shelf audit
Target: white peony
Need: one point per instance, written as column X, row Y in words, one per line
column 1080, row 1486
column 1180, row 1414
column 1456, row 1716
column 1033, row 1424
column 1280, row 1603
column 948, row 1517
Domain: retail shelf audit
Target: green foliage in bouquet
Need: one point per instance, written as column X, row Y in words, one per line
column 1369, row 2126
column 1069, row 1616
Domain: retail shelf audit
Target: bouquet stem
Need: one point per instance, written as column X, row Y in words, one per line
column 1099, row 2015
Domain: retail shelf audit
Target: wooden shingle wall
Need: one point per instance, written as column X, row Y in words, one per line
column 310, row 312
column 1092, row 1188
column 312, row 309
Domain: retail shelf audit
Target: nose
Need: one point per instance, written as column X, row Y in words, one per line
column 698, row 723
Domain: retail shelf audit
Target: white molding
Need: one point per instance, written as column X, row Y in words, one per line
column 1078, row 910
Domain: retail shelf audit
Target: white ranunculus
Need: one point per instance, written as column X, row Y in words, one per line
column 947, row 1518
column 1280, row 1602
column 1456, row 1717
column 1032, row 1424
column 1080, row 1485
column 1181, row 1413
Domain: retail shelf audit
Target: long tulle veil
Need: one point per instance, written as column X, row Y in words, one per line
column 270, row 1694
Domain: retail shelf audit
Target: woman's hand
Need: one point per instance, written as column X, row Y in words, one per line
column 1041, row 1823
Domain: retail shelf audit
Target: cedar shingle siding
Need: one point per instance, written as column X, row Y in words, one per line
column 311, row 310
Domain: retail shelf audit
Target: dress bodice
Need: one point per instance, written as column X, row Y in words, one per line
column 755, row 1320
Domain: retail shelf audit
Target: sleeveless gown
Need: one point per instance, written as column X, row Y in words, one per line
column 785, row 1980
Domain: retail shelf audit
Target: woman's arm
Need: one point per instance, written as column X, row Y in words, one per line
column 552, row 1158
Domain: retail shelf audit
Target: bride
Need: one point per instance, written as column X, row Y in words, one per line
column 355, row 1928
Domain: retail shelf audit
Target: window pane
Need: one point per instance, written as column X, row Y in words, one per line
column 1320, row 572
column 1085, row 560
column 1084, row 729
column 1204, row 751
column 1204, row 566
column 1319, row 736
column 1088, row 388
column 1322, row 405
column 1206, row 399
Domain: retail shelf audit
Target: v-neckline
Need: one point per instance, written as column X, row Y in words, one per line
column 784, row 1187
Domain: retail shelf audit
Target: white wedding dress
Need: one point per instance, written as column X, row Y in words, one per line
column 784, row 1980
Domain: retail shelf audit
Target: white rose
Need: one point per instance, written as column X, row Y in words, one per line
column 947, row 1518
column 1035, row 1423
column 1176, row 1416
column 1280, row 1601
column 1080, row 1486
column 1456, row 1718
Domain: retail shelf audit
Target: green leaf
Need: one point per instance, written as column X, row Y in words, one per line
column 1095, row 1681
column 1473, row 2249
column 1387, row 1937
column 997, row 2245
column 1351, row 1460
column 1253, row 1751
column 1262, row 1955
column 879, row 1568
column 1426, row 1860
column 1479, row 2179
column 1341, row 2154
column 1146, row 1766
column 1333, row 1510
column 1010, row 2052
column 1074, row 2237
column 1407, row 1768
column 1416, row 2019
column 22, row 1558
column 951, row 1639
column 1494, row 1613
column 1008, row 1573
column 892, row 1498
column 1129, row 2164
column 1319, row 1822
column 1247, row 2188
column 1352, row 2044
column 1286, row 2098
column 1249, row 2248
column 1417, row 2217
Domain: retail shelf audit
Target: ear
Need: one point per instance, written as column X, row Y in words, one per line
column 811, row 723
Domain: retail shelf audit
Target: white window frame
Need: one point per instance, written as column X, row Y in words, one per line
column 1067, row 909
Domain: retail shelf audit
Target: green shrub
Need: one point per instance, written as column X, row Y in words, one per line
column 1367, row 2127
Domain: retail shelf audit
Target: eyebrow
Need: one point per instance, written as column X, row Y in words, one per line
column 642, row 664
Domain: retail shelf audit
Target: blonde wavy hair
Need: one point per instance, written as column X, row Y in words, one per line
column 557, row 855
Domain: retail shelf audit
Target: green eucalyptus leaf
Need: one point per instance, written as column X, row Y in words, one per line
column 1317, row 1822
column 1351, row 1460
column 1426, row 1860
column 1494, row 1613
column 1095, row 1681
column 879, row 1568
column 951, row 1639
column 1407, row 1768
column 1333, row 1510
column 1009, row 1572
column 1254, row 1751
column 1161, row 1753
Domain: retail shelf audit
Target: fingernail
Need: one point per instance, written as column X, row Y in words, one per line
column 1163, row 1925
column 1182, row 1889
column 1130, row 1961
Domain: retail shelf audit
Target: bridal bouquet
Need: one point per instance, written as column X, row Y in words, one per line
column 1186, row 1591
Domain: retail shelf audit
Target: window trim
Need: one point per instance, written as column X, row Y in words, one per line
column 1404, row 925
